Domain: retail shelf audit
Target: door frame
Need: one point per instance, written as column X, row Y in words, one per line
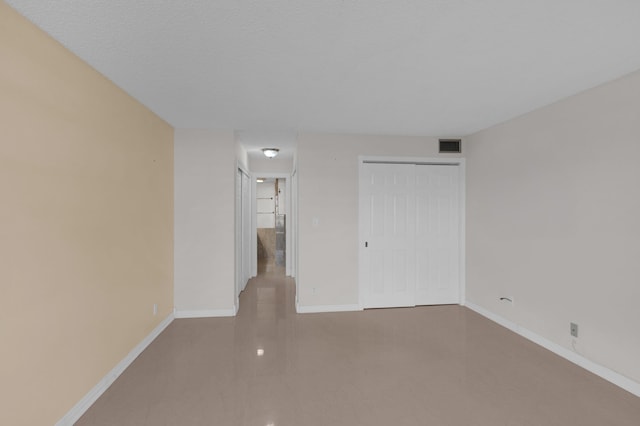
column 288, row 225
column 454, row 161
column 240, row 241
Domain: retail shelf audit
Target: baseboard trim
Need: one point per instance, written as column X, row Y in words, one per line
column 599, row 370
column 87, row 401
column 327, row 308
column 206, row 313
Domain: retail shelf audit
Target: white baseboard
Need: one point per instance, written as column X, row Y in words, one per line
column 597, row 369
column 85, row 403
column 327, row 308
column 206, row 313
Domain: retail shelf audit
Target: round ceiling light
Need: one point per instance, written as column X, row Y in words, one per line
column 270, row 152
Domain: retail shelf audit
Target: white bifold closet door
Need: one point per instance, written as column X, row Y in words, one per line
column 410, row 231
column 243, row 230
column 246, row 229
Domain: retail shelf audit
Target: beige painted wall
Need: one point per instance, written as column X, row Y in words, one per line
column 205, row 172
column 328, row 190
column 553, row 201
column 86, row 225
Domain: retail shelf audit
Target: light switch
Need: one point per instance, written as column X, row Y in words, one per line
column 315, row 222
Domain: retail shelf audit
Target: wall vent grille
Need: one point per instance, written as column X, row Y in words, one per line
column 450, row 145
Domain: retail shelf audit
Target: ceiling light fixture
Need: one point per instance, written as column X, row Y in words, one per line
column 270, row 152
column 260, row 180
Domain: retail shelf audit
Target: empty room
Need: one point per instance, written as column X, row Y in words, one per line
column 343, row 212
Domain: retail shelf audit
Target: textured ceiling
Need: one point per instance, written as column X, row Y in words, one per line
column 420, row 67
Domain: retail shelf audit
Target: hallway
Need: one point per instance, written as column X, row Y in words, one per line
column 440, row 365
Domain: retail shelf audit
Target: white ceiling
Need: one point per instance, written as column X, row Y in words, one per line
column 417, row 67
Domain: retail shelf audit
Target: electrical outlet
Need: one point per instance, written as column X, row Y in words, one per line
column 574, row 329
column 155, row 309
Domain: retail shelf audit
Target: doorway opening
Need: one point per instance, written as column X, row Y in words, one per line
column 271, row 225
column 266, row 242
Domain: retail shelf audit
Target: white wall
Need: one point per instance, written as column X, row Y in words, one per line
column 327, row 167
column 271, row 165
column 265, row 202
column 282, row 196
column 553, row 201
column 205, row 168
column 242, row 156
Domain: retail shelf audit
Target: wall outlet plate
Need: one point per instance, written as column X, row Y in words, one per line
column 573, row 328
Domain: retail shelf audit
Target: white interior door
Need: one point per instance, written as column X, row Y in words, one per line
column 387, row 206
column 243, row 230
column 292, row 231
column 246, row 229
column 437, row 235
column 410, row 234
column 238, row 231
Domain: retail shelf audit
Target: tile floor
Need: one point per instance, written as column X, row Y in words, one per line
column 441, row 365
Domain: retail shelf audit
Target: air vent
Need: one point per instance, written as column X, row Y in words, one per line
column 450, row 145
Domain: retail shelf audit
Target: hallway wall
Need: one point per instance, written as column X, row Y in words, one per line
column 205, row 173
column 270, row 165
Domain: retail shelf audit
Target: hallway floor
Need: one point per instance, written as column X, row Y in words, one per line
column 441, row 365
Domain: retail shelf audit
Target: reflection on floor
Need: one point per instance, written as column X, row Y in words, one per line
column 442, row 365
column 269, row 266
